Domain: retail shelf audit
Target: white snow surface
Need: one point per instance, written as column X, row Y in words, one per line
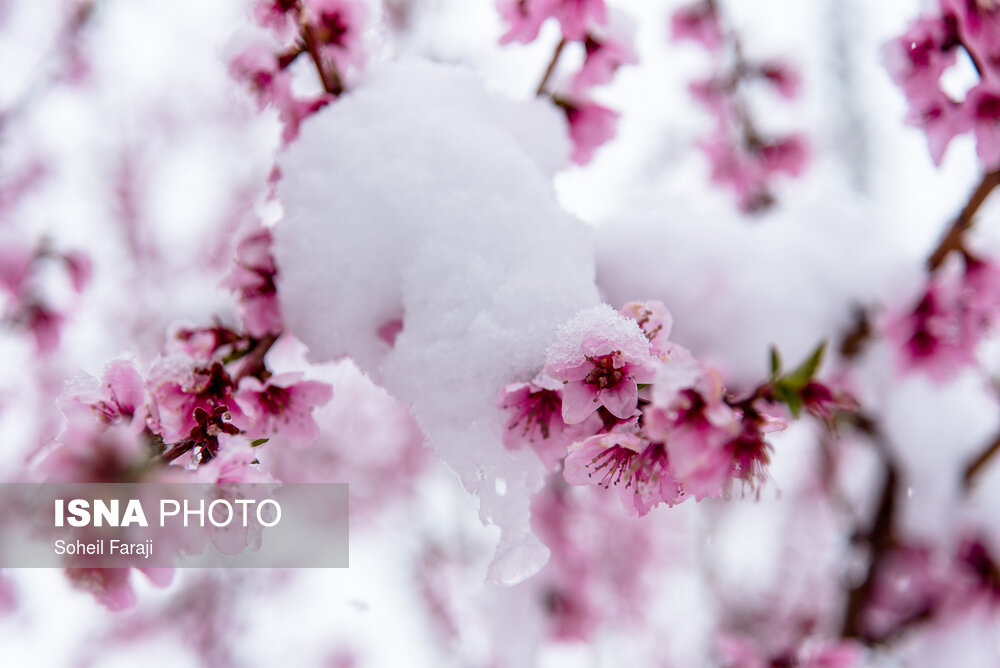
column 441, row 214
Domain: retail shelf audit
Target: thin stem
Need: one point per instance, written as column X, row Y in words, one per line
column 551, row 68
column 288, row 57
column 253, row 362
column 953, row 238
column 328, row 76
column 978, row 463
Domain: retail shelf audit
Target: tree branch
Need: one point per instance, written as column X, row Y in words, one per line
column 551, row 68
column 880, row 536
column 953, row 238
column 979, row 462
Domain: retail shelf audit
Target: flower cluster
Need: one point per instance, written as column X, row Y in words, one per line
column 23, row 273
column 932, row 44
column 199, row 413
column 623, row 407
column 742, row 157
column 606, row 38
column 577, row 598
column 941, row 333
column 212, row 384
column 326, row 32
column 918, row 583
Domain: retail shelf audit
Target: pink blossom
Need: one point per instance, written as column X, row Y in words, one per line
column 750, row 452
column 601, row 358
column 283, row 405
column 787, row 156
column 577, row 17
column 336, row 26
column 112, row 587
column 578, row 598
column 590, row 126
column 201, row 343
column 738, row 170
column 524, row 18
column 783, row 77
column 713, row 96
column 978, row 23
column 606, row 51
column 276, row 15
column 534, row 418
column 177, row 395
column 90, row 452
column 983, row 103
column 26, row 309
column 825, row 401
column 748, row 170
column 390, row 330
column 752, row 652
column 272, row 86
column 711, row 444
column 119, row 397
column 979, row 299
column 80, row 269
column 656, row 322
column 921, row 55
column 697, row 22
column 941, row 333
column 982, row 567
column 15, row 267
column 942, row 120
column 44, row 325
column 912, row 581
column 917, row 59
column 697, row 426
column 253, row 279
column 638, row 469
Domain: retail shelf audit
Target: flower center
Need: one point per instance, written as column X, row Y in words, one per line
column 613, row 464
column 604, row 374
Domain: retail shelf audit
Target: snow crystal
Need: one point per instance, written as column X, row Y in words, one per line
column 601, row 322
column 441, row 214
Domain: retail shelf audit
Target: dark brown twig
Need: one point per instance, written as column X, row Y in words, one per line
column 253, row 361
column 880, row 536
column 551, row 68
column 328, row 76
column 979, row 462
column 953, row 238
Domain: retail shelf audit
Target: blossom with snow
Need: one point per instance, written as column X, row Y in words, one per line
column 601, row 358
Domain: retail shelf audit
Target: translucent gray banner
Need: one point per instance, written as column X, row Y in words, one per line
column 180, row 525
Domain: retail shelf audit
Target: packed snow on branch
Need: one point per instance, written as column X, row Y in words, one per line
column 428, row 245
